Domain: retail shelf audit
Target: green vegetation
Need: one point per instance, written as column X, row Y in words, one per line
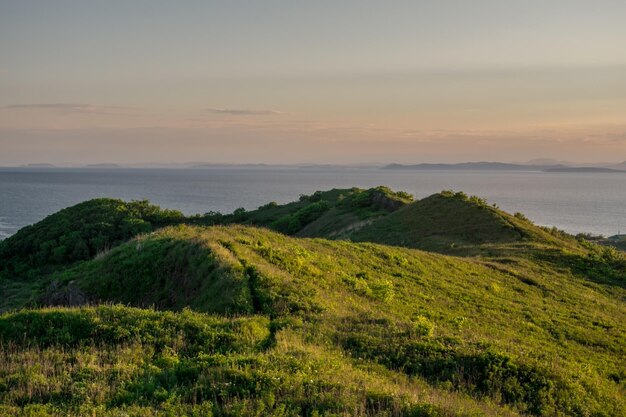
column 454, row 223
column 78, row 233
column 119, row 361
column 236, row 320
column 333, row 213
column 617, row 241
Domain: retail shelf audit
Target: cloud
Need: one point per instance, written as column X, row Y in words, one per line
column 48, row 106
column 73, row 108
column 245, row 112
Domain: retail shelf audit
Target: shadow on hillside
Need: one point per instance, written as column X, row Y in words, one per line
column 474, row 370
column 600, row 268
column 162, row 272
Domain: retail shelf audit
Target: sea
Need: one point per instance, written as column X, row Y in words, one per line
column 575, row 202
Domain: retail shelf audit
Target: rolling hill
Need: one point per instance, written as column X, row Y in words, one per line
column 452, row 222
column 446, row 306
column 330, row 214
column 78, row 233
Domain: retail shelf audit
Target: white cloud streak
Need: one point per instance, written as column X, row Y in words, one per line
column 72, row 108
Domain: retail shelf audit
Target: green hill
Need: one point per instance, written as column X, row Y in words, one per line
column 238, row 320
column 330, row 214
column 78, row 233
column 452, row 222
column 412, row 313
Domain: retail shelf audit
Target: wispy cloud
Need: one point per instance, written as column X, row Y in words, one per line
column 48, row 106
column 245, row 112
column 73, row 108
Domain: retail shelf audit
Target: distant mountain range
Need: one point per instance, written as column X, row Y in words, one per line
column 103, row 166
column 539, row 165
column 500, row 166
column 478, row 166
column 43, row 165
column 583, row 169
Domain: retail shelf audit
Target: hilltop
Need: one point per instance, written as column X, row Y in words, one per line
column 330, row 214
column 233, row 319
column 452, row 222
column 78, row 233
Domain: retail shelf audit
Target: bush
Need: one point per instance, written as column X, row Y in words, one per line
column 239, row 214
column 520, row 216
column 424, row 327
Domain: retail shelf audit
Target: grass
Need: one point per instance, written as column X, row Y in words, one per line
column 499, row 317
column 124, row 361
column 454, row 223
column 418, row 314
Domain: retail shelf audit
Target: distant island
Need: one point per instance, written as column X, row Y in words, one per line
column 500, row 166
column 103, row 166
column 536, row 165
column 41, row 165
column 474, row 166
column 583, row 169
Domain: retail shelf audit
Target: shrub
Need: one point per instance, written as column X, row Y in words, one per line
column 520, row 216
column 239, row 214
column 423, row 327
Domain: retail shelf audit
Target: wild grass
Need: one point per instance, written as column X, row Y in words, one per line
column 514, row 332
column 500, row 317
column 165, row 369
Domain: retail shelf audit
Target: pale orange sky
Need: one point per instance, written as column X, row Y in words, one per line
column 327, row 82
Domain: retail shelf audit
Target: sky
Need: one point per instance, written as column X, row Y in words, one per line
column 341, row 82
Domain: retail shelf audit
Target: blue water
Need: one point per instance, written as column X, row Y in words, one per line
column 575, row 202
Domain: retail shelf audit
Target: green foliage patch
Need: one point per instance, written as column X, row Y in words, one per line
column 78, row 233
column 322, row 213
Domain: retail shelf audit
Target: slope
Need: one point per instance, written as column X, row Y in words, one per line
column 537, row 339
column 455, row 224
column 119, row 361
column 323, row 214
column 452, row 223
column 78, row 233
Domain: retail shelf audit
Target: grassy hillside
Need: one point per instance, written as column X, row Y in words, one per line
column 459, row 225
column 118, row 361
column 237, row 320
column 530, row 338
column 453, row 223
column 331, row 213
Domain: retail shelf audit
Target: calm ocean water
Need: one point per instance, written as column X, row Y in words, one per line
column 575, row 202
